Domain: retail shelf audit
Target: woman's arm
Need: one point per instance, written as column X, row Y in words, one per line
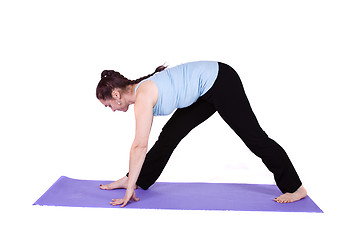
column 144, row 116
column 145, row 100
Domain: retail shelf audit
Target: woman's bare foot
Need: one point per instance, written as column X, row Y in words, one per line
column 121, row 183
column 292, row 197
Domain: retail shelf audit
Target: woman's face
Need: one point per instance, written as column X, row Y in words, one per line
column 115, row 105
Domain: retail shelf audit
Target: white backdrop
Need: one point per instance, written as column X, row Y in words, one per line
column 299, row 63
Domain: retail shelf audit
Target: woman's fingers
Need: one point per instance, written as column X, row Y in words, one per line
column 116, row 202
column 135, row 198
column 127, row 199
column 124, row 202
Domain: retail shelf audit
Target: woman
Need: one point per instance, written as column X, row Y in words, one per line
column 196, row 90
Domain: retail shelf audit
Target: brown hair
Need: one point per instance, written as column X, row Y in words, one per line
column 111, row 79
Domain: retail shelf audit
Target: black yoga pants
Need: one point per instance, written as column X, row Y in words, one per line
column 228, row 98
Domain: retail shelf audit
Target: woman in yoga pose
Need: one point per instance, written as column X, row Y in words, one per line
column 196, row 91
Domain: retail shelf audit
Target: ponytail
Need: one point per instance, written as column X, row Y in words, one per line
column 111, row 79
column 158, row 69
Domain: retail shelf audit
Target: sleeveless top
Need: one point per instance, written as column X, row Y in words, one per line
column 182, row 85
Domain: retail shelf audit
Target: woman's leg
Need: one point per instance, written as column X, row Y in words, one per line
column 178, row 126
column 229, row 99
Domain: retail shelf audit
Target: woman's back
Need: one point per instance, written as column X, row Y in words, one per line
column 182, row 85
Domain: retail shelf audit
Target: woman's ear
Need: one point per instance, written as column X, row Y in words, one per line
column 116, row 94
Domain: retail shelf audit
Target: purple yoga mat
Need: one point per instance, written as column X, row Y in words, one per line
column 162, row 195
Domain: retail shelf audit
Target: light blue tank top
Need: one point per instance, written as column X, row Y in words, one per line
column 182, row 85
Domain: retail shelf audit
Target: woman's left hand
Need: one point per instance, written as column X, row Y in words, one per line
column 129, row 195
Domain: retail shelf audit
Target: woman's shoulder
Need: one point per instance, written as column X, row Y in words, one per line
column 147, row 89
column 145, row 85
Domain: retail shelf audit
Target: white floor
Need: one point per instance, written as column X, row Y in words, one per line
column 299, row 63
